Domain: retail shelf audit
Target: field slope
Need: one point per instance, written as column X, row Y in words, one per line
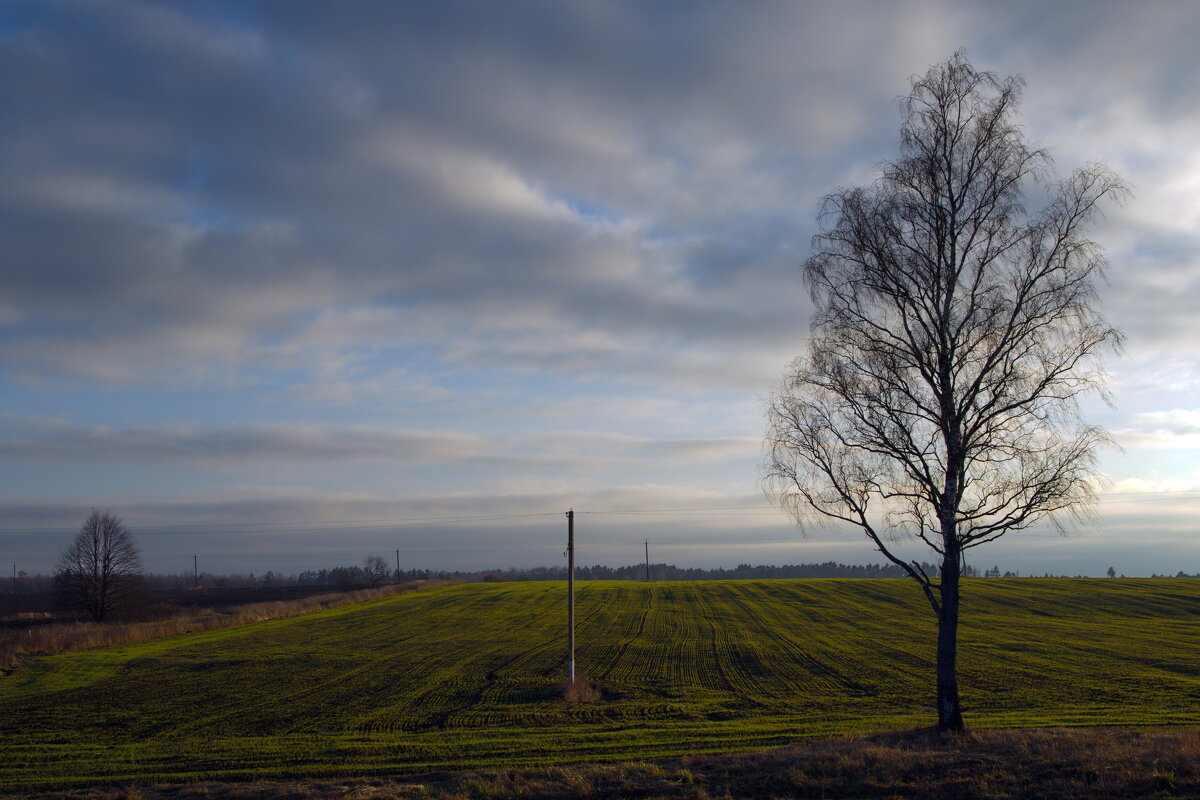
column 465, row 676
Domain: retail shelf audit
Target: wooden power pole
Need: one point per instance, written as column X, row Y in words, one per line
column 571, row 597
column 647, row 561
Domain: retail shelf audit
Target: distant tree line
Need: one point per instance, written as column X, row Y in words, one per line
column 376, row 573
column 670, row 572
column 354, row 577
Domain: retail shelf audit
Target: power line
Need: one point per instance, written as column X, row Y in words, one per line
column 394, row 521
column 681, row 510
column 1116, row 497
column 291, row 527
column 350, row 551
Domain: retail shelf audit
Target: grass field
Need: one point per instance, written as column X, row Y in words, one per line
column 470, row 676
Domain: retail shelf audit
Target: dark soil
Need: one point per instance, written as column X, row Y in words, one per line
column 1053, row 764
column 17, row 609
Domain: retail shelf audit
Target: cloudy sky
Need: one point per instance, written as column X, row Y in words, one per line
column 287, row 284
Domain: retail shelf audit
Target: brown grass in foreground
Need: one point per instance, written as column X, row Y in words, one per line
column 581, row 690
column 1054, row 764
column 17, row 645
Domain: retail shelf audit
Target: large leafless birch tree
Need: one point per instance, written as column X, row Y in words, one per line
column 955, row 331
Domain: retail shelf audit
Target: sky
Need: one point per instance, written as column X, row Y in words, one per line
column 288, row 284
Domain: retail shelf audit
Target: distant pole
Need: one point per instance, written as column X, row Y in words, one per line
column 14, row 578
column 195, row 571
column 647, row 561
column 397, row 565
column 571, row 596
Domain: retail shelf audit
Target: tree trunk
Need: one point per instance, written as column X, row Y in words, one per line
column 949, row 709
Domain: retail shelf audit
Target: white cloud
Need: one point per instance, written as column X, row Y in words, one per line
column 1134, row 489
column 1177, row 428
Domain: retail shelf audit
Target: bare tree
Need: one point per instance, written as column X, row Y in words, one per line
column 375, row 570
column 100, row 572
column 954, row 332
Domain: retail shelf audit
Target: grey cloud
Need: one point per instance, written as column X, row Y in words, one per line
column 201, row 129
column 1156, row 429
column 1088, row 43
column 559, row 186
column 259, row 442
column 57, row 440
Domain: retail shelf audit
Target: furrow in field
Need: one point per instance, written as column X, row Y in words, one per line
column 615, row 665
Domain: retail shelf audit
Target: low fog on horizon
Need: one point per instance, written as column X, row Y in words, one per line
column 288, row 284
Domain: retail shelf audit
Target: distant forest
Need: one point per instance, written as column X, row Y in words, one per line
column 353, row 577
column 356, row 576
column 349, row 576
column 670, row 572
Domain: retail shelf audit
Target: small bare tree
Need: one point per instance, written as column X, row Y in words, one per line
column 954, row 332
column 375, row 570
column 100, row 573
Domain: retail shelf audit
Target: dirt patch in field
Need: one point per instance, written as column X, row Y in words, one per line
column 34, row 634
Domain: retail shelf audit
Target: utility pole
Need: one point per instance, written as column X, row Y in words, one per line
column 571, row 597
column 14, row 578
column 195, row 572
column 647, row 561
column 397, row 565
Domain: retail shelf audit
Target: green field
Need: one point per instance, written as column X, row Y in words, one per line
column 470, row 676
